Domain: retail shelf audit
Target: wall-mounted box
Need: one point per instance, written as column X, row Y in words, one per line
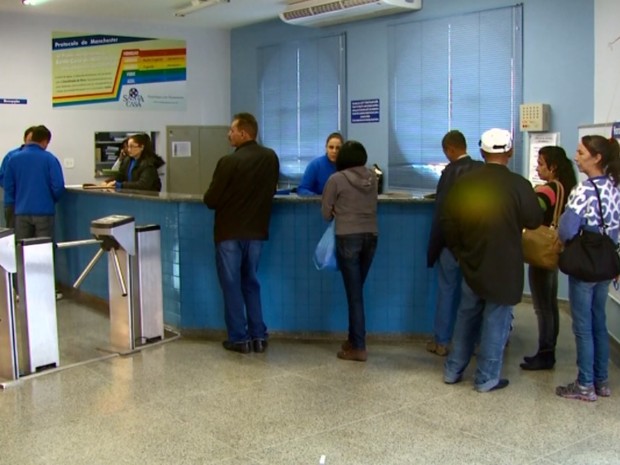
column 535, row 117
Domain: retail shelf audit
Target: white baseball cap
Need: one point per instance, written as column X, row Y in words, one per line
column 496, row 141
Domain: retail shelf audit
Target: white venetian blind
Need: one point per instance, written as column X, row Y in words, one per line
column 462, row 72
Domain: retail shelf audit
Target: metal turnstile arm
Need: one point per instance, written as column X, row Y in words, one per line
column 119, row 274
column 88, row 268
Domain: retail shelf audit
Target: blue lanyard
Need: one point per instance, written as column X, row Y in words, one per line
column 132, row 165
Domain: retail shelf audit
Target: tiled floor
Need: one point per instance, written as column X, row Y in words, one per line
column 191, row 402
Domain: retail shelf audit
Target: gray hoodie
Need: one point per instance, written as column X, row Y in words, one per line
column 351, row 197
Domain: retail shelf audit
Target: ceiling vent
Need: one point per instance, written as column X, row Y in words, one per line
column 327, row 12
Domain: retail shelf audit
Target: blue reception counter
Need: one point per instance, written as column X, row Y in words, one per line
column 297, row 299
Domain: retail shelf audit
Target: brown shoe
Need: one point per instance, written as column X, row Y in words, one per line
column 346, row 345
column 357, row 355
column 438, row 349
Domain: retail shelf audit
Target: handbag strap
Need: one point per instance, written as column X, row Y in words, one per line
column 600, row 208
column 559, row 203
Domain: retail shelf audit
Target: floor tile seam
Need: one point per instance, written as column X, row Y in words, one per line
column 545, row 456
column 380, row 402
column 229, row 389
column 314, row 434
column 375, row 402
column 486, row 440
column 247, row 457
column 549, row 457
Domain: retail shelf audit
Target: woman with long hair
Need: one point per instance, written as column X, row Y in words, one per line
column 138, row 170
column 554, row 168
column 599, row 159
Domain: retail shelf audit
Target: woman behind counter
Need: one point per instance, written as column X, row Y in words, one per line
column 320, row 169
column 138, row 171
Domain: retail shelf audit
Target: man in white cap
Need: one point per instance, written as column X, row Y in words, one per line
column 483, row 218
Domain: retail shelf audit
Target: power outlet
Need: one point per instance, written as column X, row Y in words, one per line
column 68, row 163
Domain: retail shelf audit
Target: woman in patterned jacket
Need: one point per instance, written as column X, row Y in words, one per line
column 599, row 159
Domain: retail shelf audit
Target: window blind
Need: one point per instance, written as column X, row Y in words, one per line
column 462, row 72
column 301, row 92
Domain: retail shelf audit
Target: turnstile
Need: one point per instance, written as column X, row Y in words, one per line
column 28, row 329
column 148, row 300
column 8, row 338
column 134, row 280
column 37, row 326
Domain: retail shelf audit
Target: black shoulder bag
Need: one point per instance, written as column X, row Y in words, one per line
column 590, row 256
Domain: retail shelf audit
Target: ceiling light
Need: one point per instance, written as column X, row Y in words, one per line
column 196, row 5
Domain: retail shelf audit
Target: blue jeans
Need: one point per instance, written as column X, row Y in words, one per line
column 354, row 253
column 478, row 319
column 448, row 296
column 587, row 308
column 544, row 288
column 237, row 265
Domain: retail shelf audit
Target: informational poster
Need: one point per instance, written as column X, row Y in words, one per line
column 181, row 149
column 539, row 140
column 112, row 72
column 365, row 111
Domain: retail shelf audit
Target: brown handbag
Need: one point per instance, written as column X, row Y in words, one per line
column 542, row 246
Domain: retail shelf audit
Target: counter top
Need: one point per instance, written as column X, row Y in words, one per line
column 389, row 197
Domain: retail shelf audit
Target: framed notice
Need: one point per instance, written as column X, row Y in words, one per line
column 118, row 72
column 365, row 111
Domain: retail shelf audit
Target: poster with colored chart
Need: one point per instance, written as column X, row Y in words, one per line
column 111, row 72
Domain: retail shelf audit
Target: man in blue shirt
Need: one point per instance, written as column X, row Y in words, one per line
column 9, row 215
column 33, row 183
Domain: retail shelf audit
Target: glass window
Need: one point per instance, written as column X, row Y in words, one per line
column 462, row 72
column 301, row 99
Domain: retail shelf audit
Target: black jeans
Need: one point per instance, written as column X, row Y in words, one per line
column 355, row 253
column 544, row 287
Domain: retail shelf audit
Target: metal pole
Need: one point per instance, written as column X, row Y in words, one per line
column 66, row 245
column 119, row 273
column 89, row 267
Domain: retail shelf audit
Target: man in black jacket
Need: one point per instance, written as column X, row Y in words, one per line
column 483, row 219
column 241, row 194
column 448, row 272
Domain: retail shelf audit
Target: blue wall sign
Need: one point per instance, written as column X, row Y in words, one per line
column 365, row 111
column 13, row 101
column 615, row 130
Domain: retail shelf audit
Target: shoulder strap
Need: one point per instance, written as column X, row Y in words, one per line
column 559, row 203
column 600, row 208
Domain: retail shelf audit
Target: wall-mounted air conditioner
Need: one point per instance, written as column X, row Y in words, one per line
column 326, row 12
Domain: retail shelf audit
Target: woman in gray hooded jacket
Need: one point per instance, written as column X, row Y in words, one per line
column 350, row 198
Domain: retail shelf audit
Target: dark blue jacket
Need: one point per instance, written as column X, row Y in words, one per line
column 33, row 181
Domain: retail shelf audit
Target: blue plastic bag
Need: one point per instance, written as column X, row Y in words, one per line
column 325, row 252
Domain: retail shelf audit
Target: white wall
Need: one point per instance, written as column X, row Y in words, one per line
column 606, row 61
column 26, row 60
column 607, row 95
